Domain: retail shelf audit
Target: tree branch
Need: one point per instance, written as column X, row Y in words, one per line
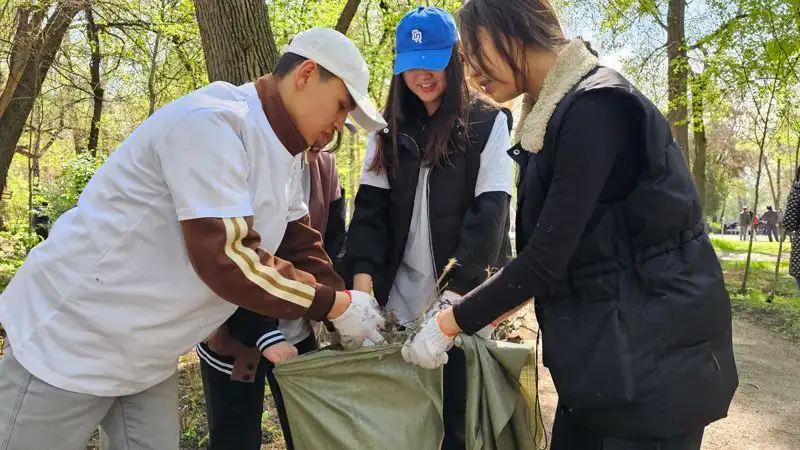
column 347, row 15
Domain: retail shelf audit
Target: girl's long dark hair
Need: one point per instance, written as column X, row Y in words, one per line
column 513, row 26
column 403, row 106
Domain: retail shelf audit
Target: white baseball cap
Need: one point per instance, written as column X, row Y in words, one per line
column 339, row 56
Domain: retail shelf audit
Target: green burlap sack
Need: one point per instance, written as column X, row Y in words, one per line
column 503, row 411
column 368, row 398
column 371, row 399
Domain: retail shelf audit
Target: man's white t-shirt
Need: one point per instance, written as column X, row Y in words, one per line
column 415, row 283
column 107, row 304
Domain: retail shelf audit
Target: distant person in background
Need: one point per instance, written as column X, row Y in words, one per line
column 770, row 219
column 756, row 221
column 791, row 223
column 41, row 221
column 745, row 219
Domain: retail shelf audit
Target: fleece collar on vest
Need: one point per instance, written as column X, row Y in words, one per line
column 573, row 62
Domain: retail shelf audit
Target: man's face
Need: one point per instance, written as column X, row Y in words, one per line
column 318, row 106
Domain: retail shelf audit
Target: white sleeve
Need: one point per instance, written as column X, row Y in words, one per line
column 368, row 177
column 298, row 209
column 497, row 168
column 205, row 166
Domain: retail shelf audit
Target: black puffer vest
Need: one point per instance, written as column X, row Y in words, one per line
column 377, row 248
column 638, row 335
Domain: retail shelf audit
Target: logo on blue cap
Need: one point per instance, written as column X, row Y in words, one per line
column 425, row 39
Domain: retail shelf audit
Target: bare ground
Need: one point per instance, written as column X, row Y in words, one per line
column 765, row 414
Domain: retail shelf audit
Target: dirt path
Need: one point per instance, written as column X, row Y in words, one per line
column 765, row 414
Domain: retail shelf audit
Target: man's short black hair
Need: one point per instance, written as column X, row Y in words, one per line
column 289, row 61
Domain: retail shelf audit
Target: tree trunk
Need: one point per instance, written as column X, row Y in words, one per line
column 700, row 142
column 346, row 17
column 778, row 201
column 95, row 62
column 151, row 80
column 237, row 39
column 31, row 58
column 771, row 183
column 354, row 170
column 678, row 66
column 762, row 143
column 796, row 160
column 722, row 213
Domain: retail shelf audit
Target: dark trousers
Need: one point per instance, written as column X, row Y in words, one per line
column 455, row 400
column 569, row 434
column 234, row 408
column 772, row 230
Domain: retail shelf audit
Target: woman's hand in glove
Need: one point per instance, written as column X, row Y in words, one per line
column 428, row 348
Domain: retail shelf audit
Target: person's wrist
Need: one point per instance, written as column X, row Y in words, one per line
column 447, row 323
column 340, row 304
column 362, row 282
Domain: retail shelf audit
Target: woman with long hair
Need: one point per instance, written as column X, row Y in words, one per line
column 431, row 214
column 628, row 291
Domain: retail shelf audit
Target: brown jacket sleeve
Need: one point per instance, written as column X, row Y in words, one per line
column 302, row 245
column 225, row 254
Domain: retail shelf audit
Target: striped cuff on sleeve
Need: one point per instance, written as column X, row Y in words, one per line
column 270, row 338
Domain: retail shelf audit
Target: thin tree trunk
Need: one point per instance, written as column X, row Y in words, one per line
column 95, row 63
column 797, row 156
column 151, row 81
column 346, row 17
column 722, row 214
column 771, row 184
column 31, row 64
column 762, row 143
column 677, row 75
column 700, row 142
column 32, row 152
column 780, row 197
column 354, row 166
column 237, row 39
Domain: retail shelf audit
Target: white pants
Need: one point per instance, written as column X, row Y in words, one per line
column 37, row 416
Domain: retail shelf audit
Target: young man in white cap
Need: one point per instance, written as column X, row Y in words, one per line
column 177, row 229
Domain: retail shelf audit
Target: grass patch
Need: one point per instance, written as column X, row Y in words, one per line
column 783, row 313
column 764, row 248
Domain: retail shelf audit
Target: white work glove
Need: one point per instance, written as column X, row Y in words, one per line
column 446, row 300
column 427, row 348
column 361, row 320
column 451, row 298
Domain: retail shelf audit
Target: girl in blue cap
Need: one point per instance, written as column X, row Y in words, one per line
column 629, row 294
column 436, row 187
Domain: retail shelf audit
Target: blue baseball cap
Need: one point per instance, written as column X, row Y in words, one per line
column 425, row 39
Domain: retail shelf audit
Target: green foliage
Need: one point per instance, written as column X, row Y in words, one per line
column 14, row 246
column 62, row 195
